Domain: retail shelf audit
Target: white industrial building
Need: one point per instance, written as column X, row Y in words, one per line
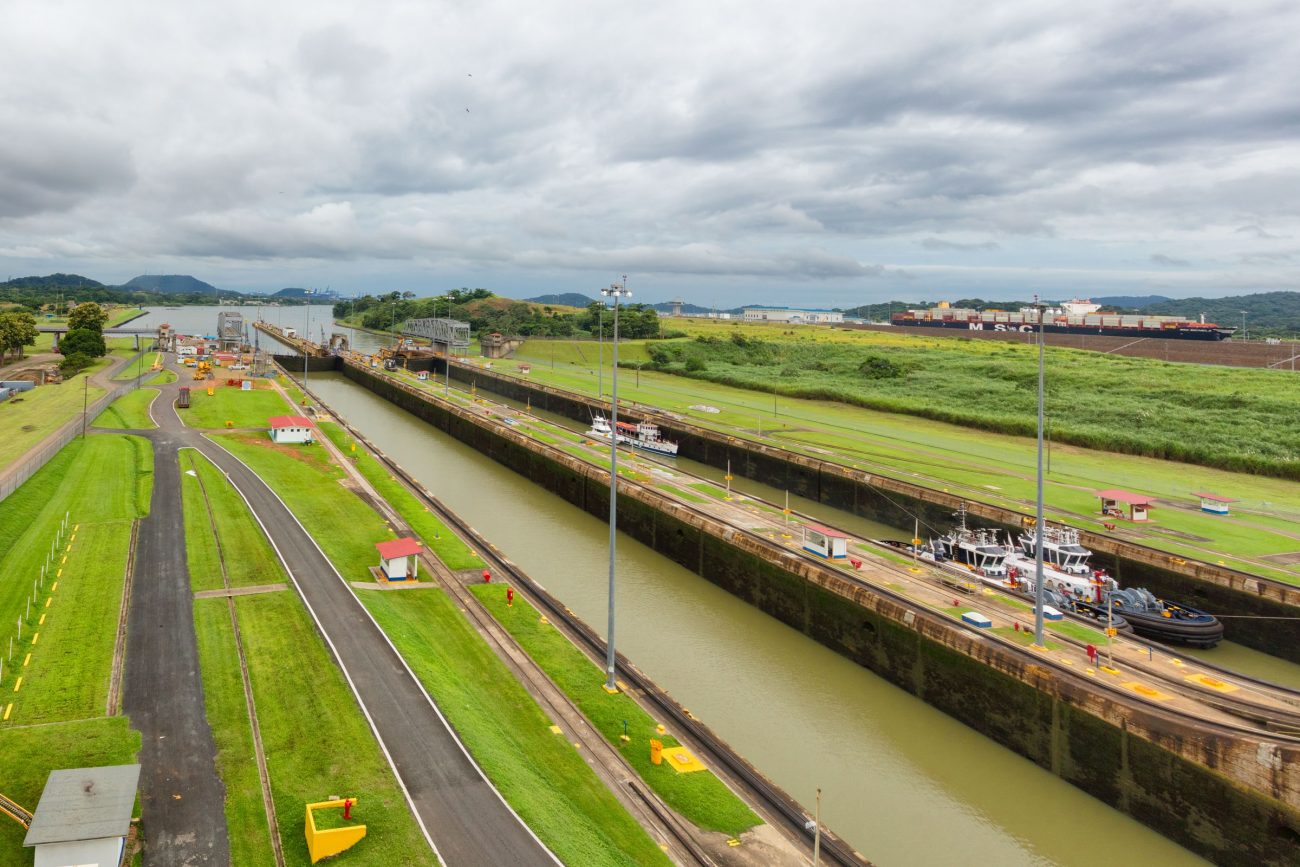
column 793, row 315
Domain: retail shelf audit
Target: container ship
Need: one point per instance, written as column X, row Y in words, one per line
column 1071, row 317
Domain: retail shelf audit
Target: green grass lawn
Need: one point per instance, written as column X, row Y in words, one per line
column 29, row 417
column 28, row 754
column 227, row 713
column 540, row 774
column 437, row 537
column 246, row 409
column 104, row 483
column 162, row 377
column 308, row 482
column 700, row 797
column 139, row 364
column 249, row 559
column 130, row 411
column 316, row 739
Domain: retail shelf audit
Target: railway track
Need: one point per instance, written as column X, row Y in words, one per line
column 15, row 811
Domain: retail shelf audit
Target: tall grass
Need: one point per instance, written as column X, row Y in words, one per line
column 1235, row 419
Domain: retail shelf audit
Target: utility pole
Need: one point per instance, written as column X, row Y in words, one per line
column 306, row 336
column 1038, row 525
column 600, row 363
column 615, row 291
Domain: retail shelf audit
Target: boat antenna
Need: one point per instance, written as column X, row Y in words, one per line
column 1038, row 522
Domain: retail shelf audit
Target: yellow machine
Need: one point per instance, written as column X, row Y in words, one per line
column 203, row 370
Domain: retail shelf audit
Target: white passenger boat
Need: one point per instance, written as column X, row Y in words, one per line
column 643, row 435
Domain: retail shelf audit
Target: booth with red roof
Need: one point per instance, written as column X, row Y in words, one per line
column 399, row 559
column 825, row 542
column 1113, row 502
column 1214, row 504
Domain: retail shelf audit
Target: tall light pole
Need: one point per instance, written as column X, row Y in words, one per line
column 615, row 291
column 600, row 337
column 1038, row 525
column 1243, row 325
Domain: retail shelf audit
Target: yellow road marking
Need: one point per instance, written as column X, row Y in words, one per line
column 8, row 709
column 41, row 622
column 47, row 603
column 27, row 660
column 72, row 539
column 1211, row 682
column 64, row 561
column 55, row 585
column 1147, row 691
column 75, row 528
column 18, row 683
column 36, row 638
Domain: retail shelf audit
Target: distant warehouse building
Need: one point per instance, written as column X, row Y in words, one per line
column 793, row 315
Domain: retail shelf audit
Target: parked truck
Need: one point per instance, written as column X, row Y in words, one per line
column 183, row 402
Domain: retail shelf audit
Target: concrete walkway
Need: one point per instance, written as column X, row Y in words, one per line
column 181, row 796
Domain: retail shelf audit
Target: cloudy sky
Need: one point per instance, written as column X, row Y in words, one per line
column 828, row 153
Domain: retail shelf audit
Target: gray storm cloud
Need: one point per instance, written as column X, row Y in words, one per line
column 752, row 152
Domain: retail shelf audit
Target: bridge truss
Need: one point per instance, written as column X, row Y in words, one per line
column 448, row 332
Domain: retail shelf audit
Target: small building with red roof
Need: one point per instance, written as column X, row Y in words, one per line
column 291, row 429
column 825, row 542
column 1213, row 503
column 1114, row 500
column 399, row 559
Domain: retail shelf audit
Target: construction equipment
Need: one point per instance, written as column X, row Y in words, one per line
column 203, row 370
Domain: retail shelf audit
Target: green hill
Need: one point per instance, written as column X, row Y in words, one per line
column 172, row 284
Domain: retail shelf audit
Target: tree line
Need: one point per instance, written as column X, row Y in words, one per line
column 487, row 313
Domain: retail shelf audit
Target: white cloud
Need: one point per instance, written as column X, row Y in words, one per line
column 748, row 151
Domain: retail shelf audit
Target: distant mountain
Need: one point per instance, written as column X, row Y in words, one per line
column 693, row 309
column 172, row 284
column 564, row 299
column 52, row 281
column 1140, row 301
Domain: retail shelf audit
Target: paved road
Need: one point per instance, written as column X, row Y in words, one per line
column 181, row 795
column 467, row 821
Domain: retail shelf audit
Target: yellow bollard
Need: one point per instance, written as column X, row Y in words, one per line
column 656, row 752
column 229, row 423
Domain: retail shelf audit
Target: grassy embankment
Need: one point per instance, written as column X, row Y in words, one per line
column 296, row 688
column 540, row 775
column 162, row 377
column 56, row 715
column 244, row 409
column 437, row 537
column 701, row 797
column 31, row 416
column 130, row 411
column 991, row 467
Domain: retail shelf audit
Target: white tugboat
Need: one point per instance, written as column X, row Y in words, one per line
column 644, row 435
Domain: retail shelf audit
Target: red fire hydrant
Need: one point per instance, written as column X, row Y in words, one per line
column 347, row 810
column 487, row 577
column 510, row 597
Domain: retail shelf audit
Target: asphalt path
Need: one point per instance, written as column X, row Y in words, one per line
column 181, row 796
column 463, row 816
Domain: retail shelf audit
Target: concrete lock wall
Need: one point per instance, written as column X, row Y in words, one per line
column 893, row 501
column 1225, row 795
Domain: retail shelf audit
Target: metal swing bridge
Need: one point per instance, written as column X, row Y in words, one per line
column 448, row 332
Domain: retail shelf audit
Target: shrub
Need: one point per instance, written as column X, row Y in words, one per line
column 879, row 367
column 74, row 363
column 695, row 364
